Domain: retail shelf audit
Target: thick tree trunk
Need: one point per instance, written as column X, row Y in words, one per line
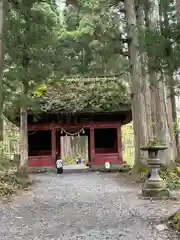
column 160, row 114
column 158, row 92
column 172, row 122
column 178, row 7
column 175, row 133
column 171, row 103
column 3, row 5
column 145, row 86
column 173, row 100
column 23, row 133
column 138, row 103
column 24, row 92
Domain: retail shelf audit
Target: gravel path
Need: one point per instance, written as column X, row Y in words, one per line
column 88, row 206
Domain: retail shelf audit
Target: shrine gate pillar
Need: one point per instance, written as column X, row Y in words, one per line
column 92, row 145
column 119, row 143
column 53, row 144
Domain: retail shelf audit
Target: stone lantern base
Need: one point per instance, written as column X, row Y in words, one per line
column 155, row 189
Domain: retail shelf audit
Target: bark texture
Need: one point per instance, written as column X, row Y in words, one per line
column 149, row 92
column 161, row 130
column 145, row 86
column 178, row 7
column 170, row 82
column 3, row 7
column 137, row 87
column 23, row 133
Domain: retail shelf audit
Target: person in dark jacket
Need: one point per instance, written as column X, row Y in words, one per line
column 59, row 166
column 149, row 174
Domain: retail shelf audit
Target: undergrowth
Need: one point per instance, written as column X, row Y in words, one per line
column 174, row 221
column 70, row 160
column 171, row 176
column 12, row 178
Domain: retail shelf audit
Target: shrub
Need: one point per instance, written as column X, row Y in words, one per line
column 12, row 177
column 172, row 177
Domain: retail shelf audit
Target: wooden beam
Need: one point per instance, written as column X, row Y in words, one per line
column 48, row 126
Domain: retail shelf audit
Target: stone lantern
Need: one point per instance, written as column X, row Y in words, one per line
column 154, row 187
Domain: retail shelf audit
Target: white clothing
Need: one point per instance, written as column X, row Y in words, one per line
column 59, row 163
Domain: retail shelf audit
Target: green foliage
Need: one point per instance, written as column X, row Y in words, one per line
column 12, row 178
column 30, row 39
column 69, row 160
column 90, row 41
column 40, row 91
column 162, row 43
column 10, row 182
column 44, row 44
column 174, row 221
column 100, row 95
column 177, row 220
column 172, row 177
column 155, row 142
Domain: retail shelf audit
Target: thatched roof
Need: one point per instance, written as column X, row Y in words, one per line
column 84, row 95
column 78, row 97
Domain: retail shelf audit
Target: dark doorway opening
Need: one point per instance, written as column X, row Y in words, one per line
column 105, row 140
column 39, row 143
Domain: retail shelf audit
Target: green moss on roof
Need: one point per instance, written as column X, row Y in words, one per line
column 102, row 95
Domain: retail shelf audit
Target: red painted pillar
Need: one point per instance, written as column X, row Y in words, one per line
column 92, row 145
column 53, row 145
column 119, row 143
column 60, row 144
column 58, row 148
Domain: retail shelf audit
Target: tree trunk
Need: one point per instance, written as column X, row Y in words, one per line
column 171, row 101
column 175, row 121
column 3, row 7
column 161, row 126
column 172, row 121
column 138, row 104
column 174, row 109
column 158, row 91
column 144, row 68
column 23, row 133
column 178, row 8
column 24, row 92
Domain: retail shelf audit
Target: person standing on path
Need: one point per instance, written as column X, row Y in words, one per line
column 59, row 166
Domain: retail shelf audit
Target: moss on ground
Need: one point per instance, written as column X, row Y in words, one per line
column 139, row 174
column 171, row 176
column 174, row 221
column 11, row 181
column 12, row 178
column 177, row 220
